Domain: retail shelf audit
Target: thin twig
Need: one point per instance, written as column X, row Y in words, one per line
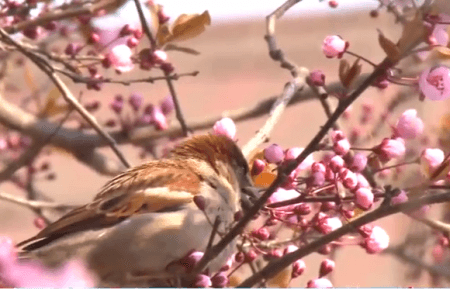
column 144, row 24
column 58, row 15
column 67, row 95
column 400, row 253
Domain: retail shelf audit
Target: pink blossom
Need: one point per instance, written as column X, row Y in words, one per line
column 364, row 197
column 399, row 198
column 225, row 127
column 430, row 159
column 377, row 241
column 319, row 283
column 220, row 280
column 328, row 225
column 318, row 167
column 167, row 105
column 317, row 78
column 409, row 126
column 334, row 46
column 120, row 58
column 391, row 148
column 434, row 83
column 274, row 153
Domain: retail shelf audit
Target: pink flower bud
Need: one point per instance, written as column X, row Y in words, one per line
column 341, row 147
column 258, row 167
column 303, row 209
column 409, row 126
column 362, row 181
column 318, row 167
column 377, row 241
column 298, row 267
column 225, row 127
column 326, row 267
column 239, row 257
column 167, row 105
column 294, row 152
column 159, row 119
column 319, row 283
column 282, row 194
column 250, row 256
column 333, row 3
column 430, row 159
column 159, row 56
column 200, row 202
column 135, row 101
column 261, row 233
column 316, row 179
column 399, row 198
column 334, row 46
column 349, row 179
column 336, row 163
column 364, row 198
column 132, row 42
column 117, row 104
column 220, row 280
column 227, row 265
column 120, row 58
column 274, row 154
column 391, row 148
column 359, row 162
column 191, row 259
column 202, row 281
column 317, row 78
column 337, row 135
column 167, row 67
column 39, row 223
column 434, row 83
column 328, row 225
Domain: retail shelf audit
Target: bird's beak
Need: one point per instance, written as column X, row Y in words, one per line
column 249, row 195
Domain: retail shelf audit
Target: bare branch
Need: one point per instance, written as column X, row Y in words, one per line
column 34, row 204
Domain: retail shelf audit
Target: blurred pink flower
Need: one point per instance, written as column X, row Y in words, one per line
column 430, row 159
column 400, row 198
column 158, row 118
column 435, row 83
column 364, row 197
column 409, row 126
column 274, row 153
column 282, row 194
column 120, row 58
column 328, row 225
column 226, row 127
column 202, row 281
column 334, row 46
column 377, row 241
column 319, row 283
column 391, row 148
column 341, row 147
column 31, row 274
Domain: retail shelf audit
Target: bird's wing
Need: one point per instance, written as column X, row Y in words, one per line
column 151, row 187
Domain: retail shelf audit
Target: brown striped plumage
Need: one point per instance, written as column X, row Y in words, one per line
column 161, row 191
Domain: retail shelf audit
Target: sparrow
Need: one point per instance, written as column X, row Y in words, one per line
column 146, row 218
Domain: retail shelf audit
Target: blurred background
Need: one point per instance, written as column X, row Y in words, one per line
column 236, row 72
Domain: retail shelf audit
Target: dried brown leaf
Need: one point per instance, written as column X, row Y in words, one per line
column 444, row 52
column 352, row 74
column 389, row 47
column 186, row 26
